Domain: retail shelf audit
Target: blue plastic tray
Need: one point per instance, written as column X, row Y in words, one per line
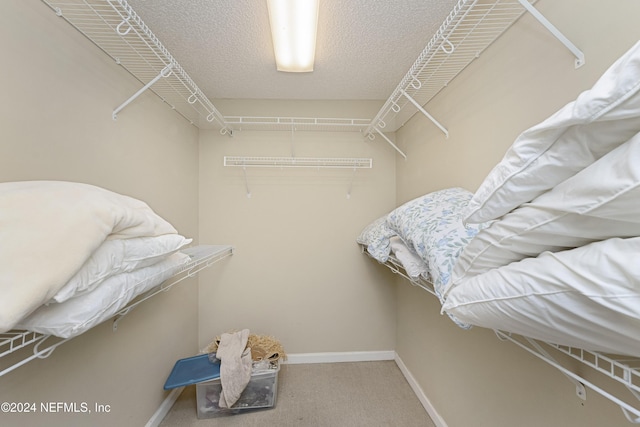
column 192, row 370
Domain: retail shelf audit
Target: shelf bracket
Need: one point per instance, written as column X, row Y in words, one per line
column 351, row 183
column 166, row 72
column 246, row 181
column 556, row 33
column 423, row 111
column 581, row 392
column 390, row 142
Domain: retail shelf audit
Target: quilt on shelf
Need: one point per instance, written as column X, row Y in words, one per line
column 555, row 255
column 72, row 254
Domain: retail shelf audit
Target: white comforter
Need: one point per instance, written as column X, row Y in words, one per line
column 560, row 260
column 48, row 229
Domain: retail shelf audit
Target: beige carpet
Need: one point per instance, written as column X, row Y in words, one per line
column 372, row 394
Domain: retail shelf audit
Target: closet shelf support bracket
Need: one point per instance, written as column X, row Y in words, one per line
column 390, row 142
column 581, row 392
column 166, row 72
column 537, row 350
column 423, row 111
column 556, row 33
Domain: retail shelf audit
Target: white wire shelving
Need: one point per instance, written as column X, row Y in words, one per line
column 43, row 345
column 299, row 162
column 297, row 124
column 624, row 370
column 471, row 27
column 114, row 27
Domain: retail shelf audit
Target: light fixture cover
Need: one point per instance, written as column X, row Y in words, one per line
column 294, row 24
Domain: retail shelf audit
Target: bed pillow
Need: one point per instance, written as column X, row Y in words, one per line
column 375, row 237
column 578, row 134
column 600, row 202
column 582, row 297
column 119, row 256
column 413, row 265
column 77, row 315
column 431, row 225
column 48, row 229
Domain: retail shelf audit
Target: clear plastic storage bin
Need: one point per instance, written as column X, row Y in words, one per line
column 260, row 393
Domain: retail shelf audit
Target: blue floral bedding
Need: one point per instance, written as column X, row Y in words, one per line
column 432, row 226
column 376, row 237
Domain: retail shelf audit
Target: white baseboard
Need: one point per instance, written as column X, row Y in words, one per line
column 435, row 416
column 164, row 408
column 349, row 356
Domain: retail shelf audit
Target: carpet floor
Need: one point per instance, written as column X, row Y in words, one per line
column 350, row 394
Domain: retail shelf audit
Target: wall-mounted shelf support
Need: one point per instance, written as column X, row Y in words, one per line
column 246, row 182
column 395, row 147
column 166, row 72
column 556, row 33
column 423, row 111
column 581, row 392
column 596, row 361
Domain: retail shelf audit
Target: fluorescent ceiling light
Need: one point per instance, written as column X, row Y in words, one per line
column 294, row 24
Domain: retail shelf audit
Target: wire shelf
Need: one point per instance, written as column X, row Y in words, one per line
column 297, row 123
column 299, row 162
column 201, row 257
column 468, row 30
column 114, row 27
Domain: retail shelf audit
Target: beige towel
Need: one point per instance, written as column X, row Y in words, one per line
column 235, row 366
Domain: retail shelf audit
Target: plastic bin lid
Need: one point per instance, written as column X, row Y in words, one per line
column 192, row 370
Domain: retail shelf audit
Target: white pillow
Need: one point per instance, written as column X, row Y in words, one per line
column 48, row 229
column 119, row 256
column 412, row 263
column 581, row 132
column 585, row 297
column 600, row 202
column 80, row 314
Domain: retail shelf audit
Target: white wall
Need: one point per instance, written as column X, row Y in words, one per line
column 471, row 377
column 58, row 91
column 297, row 272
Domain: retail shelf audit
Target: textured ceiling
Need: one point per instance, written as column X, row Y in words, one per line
column 364, row 47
